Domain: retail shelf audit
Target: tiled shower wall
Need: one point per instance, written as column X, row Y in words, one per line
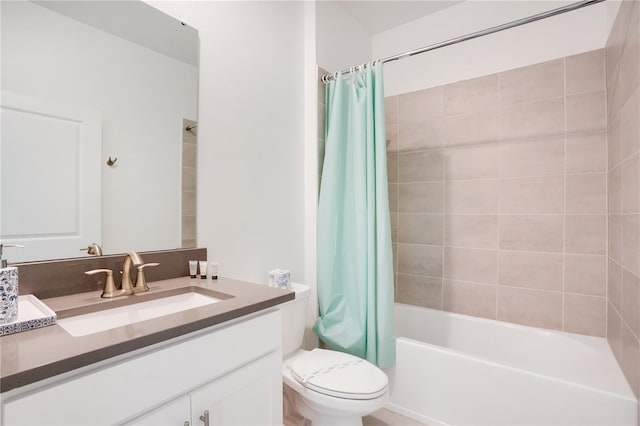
column 497, row 188
column 623, row 101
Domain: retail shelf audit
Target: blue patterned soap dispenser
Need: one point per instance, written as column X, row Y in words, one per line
column 8, row 289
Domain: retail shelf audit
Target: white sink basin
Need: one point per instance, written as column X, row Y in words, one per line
column 82, row 325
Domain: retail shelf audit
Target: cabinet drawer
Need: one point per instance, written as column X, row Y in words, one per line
column 113, row 393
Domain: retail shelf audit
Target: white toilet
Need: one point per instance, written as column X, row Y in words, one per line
column 331, row 388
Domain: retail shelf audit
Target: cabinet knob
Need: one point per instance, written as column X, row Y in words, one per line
column 186, row 424
column 205, row 418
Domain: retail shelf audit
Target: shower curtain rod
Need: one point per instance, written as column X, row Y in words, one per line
column 543, row 15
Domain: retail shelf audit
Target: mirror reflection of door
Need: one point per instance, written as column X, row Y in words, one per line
column 50, row 187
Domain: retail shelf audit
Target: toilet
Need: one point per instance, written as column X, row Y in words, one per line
column 330, row 387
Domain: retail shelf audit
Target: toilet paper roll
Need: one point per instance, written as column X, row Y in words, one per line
column 8, row 294
column 280, row 278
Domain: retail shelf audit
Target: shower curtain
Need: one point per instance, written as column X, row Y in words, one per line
column 355, row 267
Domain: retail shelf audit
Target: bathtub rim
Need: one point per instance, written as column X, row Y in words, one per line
column 626, row 393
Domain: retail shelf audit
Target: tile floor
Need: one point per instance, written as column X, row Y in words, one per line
column 385, row 417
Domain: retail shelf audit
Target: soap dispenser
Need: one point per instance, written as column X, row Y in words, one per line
column 8, row 289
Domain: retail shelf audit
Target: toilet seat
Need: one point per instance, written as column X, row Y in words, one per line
column 339, row 375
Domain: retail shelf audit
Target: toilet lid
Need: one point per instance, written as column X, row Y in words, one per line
column 338, row 374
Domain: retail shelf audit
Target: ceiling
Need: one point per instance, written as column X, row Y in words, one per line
column 378, row 16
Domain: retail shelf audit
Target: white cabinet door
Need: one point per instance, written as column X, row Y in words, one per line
column 174, row 413
column 252, row 395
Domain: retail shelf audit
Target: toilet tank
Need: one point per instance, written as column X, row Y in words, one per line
column 294, row 317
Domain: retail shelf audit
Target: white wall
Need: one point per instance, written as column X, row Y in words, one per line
column 568, row 34
column 250, row 134
column 341, row 41
column 143, row 97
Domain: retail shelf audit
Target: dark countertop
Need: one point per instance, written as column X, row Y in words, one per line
column 34, row 355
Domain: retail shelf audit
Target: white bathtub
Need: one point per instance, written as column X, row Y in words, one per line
column 459, row 370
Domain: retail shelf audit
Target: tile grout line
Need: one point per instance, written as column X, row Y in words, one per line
column 499, row 204
column 564, row 193
column 444, row 209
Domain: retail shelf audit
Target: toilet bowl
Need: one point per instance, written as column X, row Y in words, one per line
column 329, row 387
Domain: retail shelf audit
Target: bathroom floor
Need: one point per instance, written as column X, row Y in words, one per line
column 385, row 417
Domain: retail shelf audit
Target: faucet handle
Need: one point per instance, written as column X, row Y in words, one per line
column 109, row 286
column 141, row 281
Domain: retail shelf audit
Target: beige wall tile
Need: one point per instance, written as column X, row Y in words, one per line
column 614, row 283
column 420, row 197
column 321, row 149
column 471, row 95
column 586, row 234
column 532, row 195
column 419, row 291
column 475, row 127
column 477, row 265
column 585, row 72
column 613, row 331
column 629, row 74
column 415, row 107
column 585, row 314
column 189, row 178
column 394, row 247
column 472, row 197
column 188, row 227
column 188, row 203
column 421, row 166
column 537, row 157
column 585, row 274
column 631, row 242
column 530, row 307
column 586, row 112
column 391, row 110
column 613, row 104
column 189, row 153
column 586, row 152
column 470, row 298
column 586, row 193
column 630, row 300
column 618, row 34
column 418, row 259
column 541, row 271
column 420, row 228
column 630, row 357
column 392, row 167
column 393, row 218
column 630, row 125
column 472, row 231
column 533, row 82
column 614, row 183
column 531, row 120
column 615, row 237
column 531, row 232
column 393, row 197
column 393, row 143
column 322, row 121
column 614, row 142
column 631, row 184
column 472, row 161
column 426, row 134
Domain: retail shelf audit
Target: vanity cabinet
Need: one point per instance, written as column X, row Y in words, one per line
column 232, row 371
column 243, row 397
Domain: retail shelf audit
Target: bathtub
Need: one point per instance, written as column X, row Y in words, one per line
column 459, row 370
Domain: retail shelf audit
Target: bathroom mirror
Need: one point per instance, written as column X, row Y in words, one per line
column 96, row 96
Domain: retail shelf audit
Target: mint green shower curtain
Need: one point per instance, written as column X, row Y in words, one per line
column 355, row 267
